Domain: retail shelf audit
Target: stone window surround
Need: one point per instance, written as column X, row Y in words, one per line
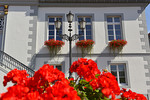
column 122, row 24
column 114, row 27
column 47, row 15
column 55, row 17
column 84, row 15
column 127, row 71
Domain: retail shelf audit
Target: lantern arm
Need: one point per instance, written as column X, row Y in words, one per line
column 64, row 36
column 76, row 36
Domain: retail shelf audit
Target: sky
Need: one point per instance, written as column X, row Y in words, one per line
column 148, row 17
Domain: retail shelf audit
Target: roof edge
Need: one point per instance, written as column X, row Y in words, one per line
column 94, row 1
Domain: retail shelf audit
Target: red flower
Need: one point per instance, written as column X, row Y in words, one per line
column 117, row 43
column 106, row 91
column 129, row 95
column 46, row 84
column 16, row 76
column 85, row 43
column 85, row 68
column 54, row 43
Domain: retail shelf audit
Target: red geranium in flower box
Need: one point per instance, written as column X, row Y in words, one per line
column 85, row 45
column 54, row 45
column 117, row 45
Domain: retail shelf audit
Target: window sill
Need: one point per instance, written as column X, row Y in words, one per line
column 124, row 86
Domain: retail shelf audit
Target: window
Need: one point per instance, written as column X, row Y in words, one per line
column 114, row 27
column 59, row 67
column 87, row 33
column 53, row 34
column 1, row 23
column 119, row 71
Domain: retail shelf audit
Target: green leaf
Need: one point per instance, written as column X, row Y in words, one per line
column 72, row 83
column 82, row 81
column 96, row 90
column 97, row 75
column 84, row 98
column 88, row 86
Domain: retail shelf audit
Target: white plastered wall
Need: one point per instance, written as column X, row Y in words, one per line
column 17, row 32
column 130, row 26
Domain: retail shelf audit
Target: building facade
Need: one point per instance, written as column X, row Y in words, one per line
column 25, row 25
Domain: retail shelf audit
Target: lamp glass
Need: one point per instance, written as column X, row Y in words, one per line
column 70, row 17
column 82, row 24
column 57, row 24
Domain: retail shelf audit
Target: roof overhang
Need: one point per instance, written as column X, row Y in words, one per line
column 94, row 1
column 77, row 3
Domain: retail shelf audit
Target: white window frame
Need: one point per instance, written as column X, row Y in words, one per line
column 85, row 27
column 55, row 31
column 114, row 23
column 126, row 78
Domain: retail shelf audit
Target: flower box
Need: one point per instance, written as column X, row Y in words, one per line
column 54, row 46
column 117, row 45
column 85, row 45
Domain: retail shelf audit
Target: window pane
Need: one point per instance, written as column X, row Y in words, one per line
column 59, row 67
column 88, row 27
column 118, row 37
column 113, row 67
column 122, row 80
column 88, row 32
column 58, row 38
column 117, row 26
column 117, row 19
column 80, row 19
column 111, row 38
column 51, row 27
column 60, row 19
column 58, row 32
column 1, row 8
column 78, row 26
column 109, row 19
column 110, row 33
column 81, row 32
column 51, row 32
column 114, row 73
column 88, row 19
column 51, row 20
column 121, row 67
column 51, row 37
column 118, row 32
column 81, row 38
column 121, row 73
column 110, row 26
column 88, row 37
column 60, row 28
